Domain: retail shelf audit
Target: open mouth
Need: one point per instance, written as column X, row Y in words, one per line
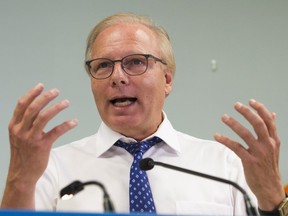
column 120, row 102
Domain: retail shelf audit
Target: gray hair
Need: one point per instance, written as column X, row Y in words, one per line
column 166, row 49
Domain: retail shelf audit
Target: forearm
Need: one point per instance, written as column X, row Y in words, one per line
column 18, row 196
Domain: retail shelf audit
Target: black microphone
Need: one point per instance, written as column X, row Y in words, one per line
column 148, row 164
column 75, row 187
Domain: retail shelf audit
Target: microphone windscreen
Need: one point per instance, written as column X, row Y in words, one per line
column 146, row 164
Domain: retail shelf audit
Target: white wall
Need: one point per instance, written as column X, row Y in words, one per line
column 44, row 41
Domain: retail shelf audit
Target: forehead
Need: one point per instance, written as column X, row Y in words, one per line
column 124, row 39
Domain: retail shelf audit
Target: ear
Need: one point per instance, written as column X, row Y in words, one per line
column 169, row 81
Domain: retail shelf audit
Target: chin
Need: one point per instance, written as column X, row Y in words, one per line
column 125, row 125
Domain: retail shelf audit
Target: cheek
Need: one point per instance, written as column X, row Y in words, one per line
column 93, row 87
column 96, row 89
column 155, row 89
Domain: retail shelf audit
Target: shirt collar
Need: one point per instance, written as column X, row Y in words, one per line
column 106, row 137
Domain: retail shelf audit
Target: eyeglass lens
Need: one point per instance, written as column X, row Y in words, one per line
column 132, row 65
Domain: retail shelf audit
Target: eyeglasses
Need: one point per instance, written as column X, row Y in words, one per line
column 134, row 65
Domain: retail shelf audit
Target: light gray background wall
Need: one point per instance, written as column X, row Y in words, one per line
column 44, row 41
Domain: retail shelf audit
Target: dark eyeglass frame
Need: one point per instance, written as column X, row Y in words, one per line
column 147, row 56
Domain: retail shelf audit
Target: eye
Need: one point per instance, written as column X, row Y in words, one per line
column 103, row 65
column 135, row 61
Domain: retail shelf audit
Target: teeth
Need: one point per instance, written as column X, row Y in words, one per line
column 123, row 102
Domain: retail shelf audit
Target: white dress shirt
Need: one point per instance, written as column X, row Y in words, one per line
column 95, row 158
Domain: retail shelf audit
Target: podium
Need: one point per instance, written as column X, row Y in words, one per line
column 39, row 213
column 44, row 213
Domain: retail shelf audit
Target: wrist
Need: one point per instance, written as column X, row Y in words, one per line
column 280, row 210
column 271, row 198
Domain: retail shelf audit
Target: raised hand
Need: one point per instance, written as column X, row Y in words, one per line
column 260, row 160
column 31, row 145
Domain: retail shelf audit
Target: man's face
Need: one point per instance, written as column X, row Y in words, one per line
column 130, row 105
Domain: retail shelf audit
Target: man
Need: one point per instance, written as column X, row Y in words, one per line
column 131, row 65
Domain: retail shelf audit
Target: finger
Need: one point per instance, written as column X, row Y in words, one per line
column 237, row 148
column 36, row 106
column 254, row 119
column 239, row 129
column 25, row 101
column 45, row 116
column 59, row 130
column 268, row 117
column 274, row 133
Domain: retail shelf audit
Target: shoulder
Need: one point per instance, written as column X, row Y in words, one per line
column 189, row 141
column 208, row 152
column 84, row 146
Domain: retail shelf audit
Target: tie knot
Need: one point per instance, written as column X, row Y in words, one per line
column 140, row 147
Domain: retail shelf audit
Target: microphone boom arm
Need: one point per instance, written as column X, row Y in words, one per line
column 149, row 163
column 77, row 186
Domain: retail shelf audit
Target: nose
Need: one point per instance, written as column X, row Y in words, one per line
column 119, row 77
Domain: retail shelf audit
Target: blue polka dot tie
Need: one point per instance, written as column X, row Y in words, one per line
column 141, row 199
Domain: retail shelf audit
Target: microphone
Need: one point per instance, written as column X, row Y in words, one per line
column 148, row 164
column 75, row 187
